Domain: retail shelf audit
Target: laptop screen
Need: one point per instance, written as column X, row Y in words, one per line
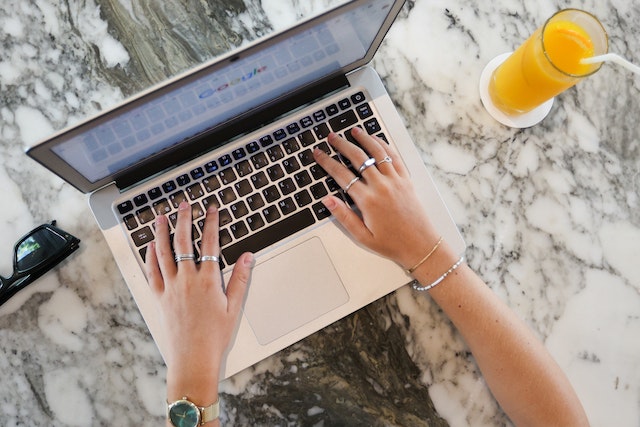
column 163, row 118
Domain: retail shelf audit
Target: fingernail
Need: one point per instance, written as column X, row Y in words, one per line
column 249, row 260
column 356, row 130
column 212, row 209
column 330, row 203
column 183, row 206
column 161, row 220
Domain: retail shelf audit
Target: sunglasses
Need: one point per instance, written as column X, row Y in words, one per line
column 36, row 253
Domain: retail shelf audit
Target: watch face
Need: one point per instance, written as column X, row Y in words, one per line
column 184, row 414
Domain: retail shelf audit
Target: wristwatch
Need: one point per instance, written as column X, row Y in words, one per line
column 184, row 413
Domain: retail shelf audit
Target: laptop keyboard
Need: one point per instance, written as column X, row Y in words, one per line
column 265, row 191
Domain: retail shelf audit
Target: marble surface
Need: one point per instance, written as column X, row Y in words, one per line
column 551, row 216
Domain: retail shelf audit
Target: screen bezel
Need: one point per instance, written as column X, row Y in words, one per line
column 44, row 152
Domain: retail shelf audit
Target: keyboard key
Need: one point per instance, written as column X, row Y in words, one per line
column 227, row 176
column 225, row 160
column 275, row 153
column 271, row 194
column 317, row 171
column 130, row 222
column 324, row 147
column 197, row 173
column 140, row 199
column 357, row 98
column 271, row 213
column 195, row 191
column 225, row 217
column 259, row 160
column 290, row 165
column 183, row 179
column 227, row 195
column 161, row 207
column 239, row 229
column 318, row 190
column 196, row 212
column 266, row 140
column 364, row 111
column 286, row 186
column 177, row 198
column 255, row 201
column 344, row 104
column 239, row 153
column 279, row 134
column 372, row 126
column 210, row 201
column 255, row 221
column 211, row 184
column 252, row 147
column 302, row 198
column 142, row 236
column 342, row 121
column 125, row 207
column 305, row 122
column 321, row 211
column 244, row 168
column 275, row 172
column 211, row 167
column 332, row 110
column 169, row 186
column 293, row 128
column 319, row 116
column 306, row 157
column 290, row 146
column 145, row 215
column 243, row 187
column 269, row 235
column 225, row 237
column 306, row 138
column 302, row 178
column 321, row 131
column 154, row 193
column 259, row 180
column 239, row 209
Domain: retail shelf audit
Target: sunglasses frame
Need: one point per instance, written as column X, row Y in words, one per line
column 21, row 278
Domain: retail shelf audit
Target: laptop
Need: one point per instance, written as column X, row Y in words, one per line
column 238, row 132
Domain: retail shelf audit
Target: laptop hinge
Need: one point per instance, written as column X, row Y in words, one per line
column 219, row 136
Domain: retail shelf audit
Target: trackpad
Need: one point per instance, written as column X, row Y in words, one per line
column 292, row 289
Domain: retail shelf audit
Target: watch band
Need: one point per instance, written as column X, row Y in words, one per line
column 209, row 413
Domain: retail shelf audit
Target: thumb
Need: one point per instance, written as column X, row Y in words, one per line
column 237, row 286
column 348, row 219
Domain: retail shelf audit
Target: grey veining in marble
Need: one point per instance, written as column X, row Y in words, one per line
column 551, row 216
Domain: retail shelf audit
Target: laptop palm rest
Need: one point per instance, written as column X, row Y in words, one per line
column 282, row 297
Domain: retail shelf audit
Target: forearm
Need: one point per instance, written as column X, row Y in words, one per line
column 526, row 381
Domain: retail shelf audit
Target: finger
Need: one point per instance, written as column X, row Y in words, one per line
column 163, row 250
column 154, row 277
column 348, row 219
column 337, row 170
column 210, row 238
column 237, row 285
column 398, row 164
column 351, row 151
column 371, row 145
column 182, row 241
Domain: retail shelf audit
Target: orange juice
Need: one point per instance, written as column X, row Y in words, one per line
column 544, row 65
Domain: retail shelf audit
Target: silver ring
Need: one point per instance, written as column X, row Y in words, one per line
column 366, row 164
column 184, row 257
column 386, row 159
column 353, row 181
column 213, row 258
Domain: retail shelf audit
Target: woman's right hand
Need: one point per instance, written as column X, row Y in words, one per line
column 392, row 221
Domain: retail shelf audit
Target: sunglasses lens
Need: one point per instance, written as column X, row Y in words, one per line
column 37, row 248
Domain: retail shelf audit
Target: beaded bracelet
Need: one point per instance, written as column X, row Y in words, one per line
column 416, row 285
column 415, row 267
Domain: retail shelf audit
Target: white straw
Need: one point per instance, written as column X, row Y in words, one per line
column 612, row 57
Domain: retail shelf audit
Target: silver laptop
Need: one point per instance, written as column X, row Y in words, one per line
column 238, row 132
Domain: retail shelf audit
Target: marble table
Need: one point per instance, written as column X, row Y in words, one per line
column 550, row 214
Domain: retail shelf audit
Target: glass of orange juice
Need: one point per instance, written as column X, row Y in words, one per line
column 518, row 88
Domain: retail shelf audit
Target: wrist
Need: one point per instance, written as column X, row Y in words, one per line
column 200, row 387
